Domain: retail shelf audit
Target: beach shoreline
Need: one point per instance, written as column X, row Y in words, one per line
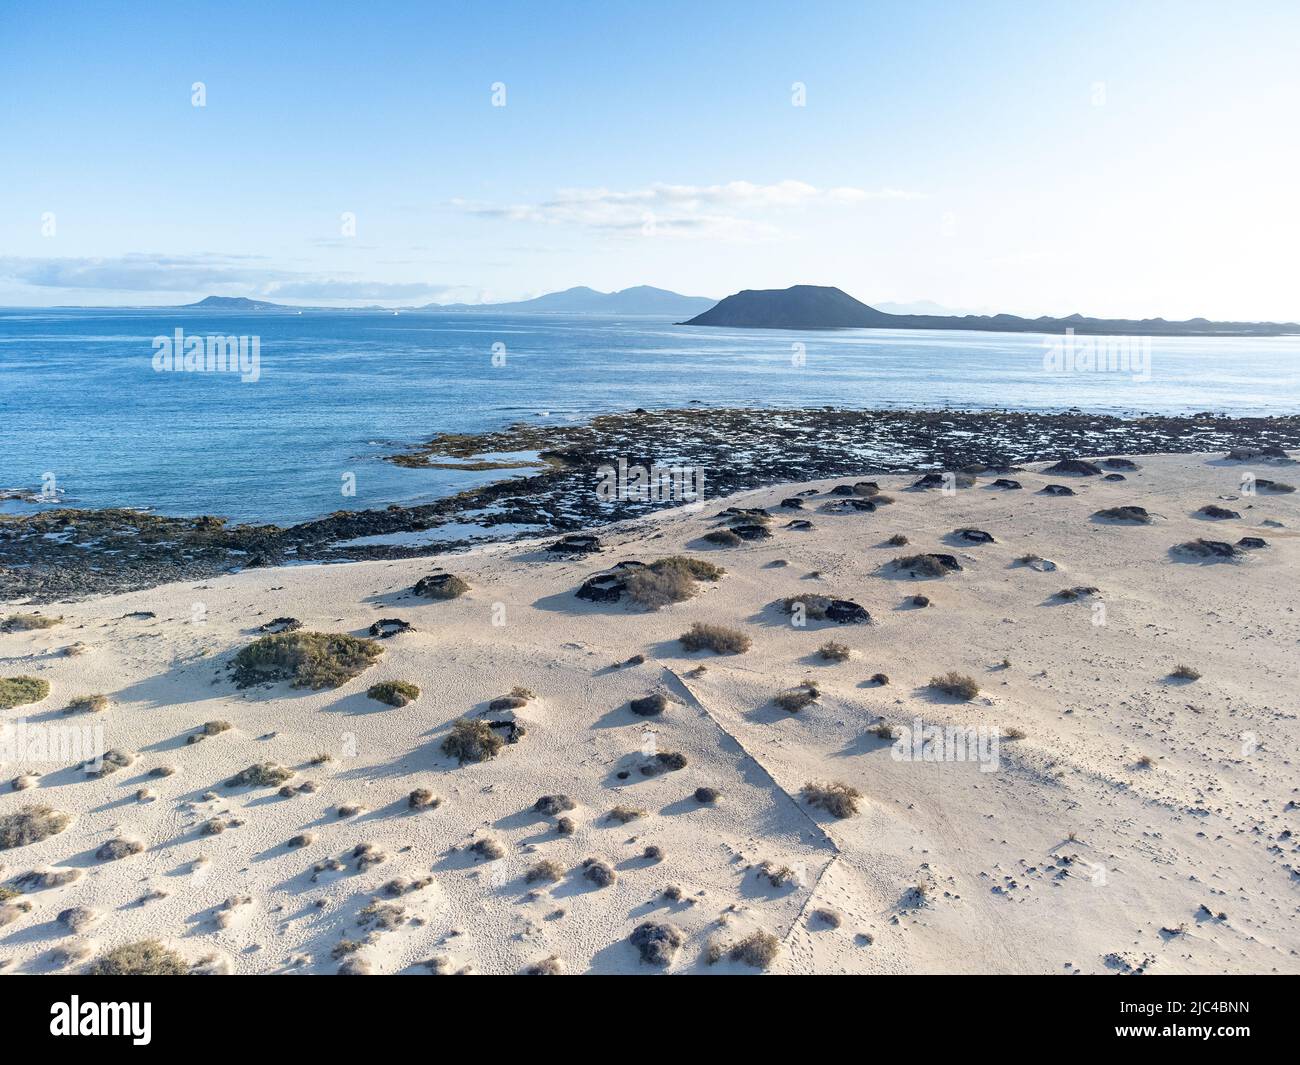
column 60, row 553
column 1129, row 821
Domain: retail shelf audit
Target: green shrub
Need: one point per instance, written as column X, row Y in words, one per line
column 394, row 692
column 31, row 824
column 472, row 741
column 19, row 691
column 305, row 659
column 147, row 957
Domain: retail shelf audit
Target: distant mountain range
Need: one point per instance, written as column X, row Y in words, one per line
column 642, row 299
column 822, row 307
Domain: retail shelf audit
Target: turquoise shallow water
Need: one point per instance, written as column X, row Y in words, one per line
column 80, row 398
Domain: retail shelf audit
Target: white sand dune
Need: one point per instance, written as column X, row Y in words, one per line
column 1070, row 857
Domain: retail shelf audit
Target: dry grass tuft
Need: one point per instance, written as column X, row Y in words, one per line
column 958, row 685
column 703, row 636
column 835, row 798
column 472, row 741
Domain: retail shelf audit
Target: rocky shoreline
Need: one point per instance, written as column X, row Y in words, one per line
column 67, row 553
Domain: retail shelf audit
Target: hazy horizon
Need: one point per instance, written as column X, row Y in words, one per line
column 1101, row 159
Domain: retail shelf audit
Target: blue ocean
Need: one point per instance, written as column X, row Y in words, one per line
column 85, row 412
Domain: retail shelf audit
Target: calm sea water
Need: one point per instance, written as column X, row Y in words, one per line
column 79, row 397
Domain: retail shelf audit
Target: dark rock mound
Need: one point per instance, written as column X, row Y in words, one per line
column 281, row 625
column 1114, row 477
column 852, row 503
column 441, row 586
column 792, row 503
column 576, row 544
column 799, row 523
column 1056, row 490
column 920, row 600
column 752, row 531
column 847, row 612
column 1006, row 482
column 609, row 586
column 1078, row 467
column 939, row 480
column 1252, row 543
column 1211, row 510
column 1265, row 485
column 1129, row 514
column 743, row 514
column 386, row 627
column 974, row 536
column 1208, row 549
column 1120, row 464
column 1267, row 451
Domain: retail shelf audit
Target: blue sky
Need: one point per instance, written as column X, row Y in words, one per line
column 1114, row 159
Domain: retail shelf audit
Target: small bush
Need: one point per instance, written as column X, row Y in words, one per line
column 624, row 814
column 27, row 622
column 657, row 942
column 796, row 699
column 814, row 606
column 724, row 538
column 88, row 704
column 147, row 957
column 758, row 949
column 488, row 848
column 422, row 799
column 958, row 685
column 550, row 805
column 599, row 872
column 1014, row 733
column 897, row 540
column 831, row 651
column 717, row 638
column 669, row 580
column 1185, row 673
column 707, row 796
column 547, row 870
column 119, row 848
column 920, row 565
column 216, row 728
column 19, row 691
column 551, row 966
column 471, row 741
column 262, row 775
column 1079, row 591
column 31, row 824
column 305, row 659
column 394, row 692
column 835, row 798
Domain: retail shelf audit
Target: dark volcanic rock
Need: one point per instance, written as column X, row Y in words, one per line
column 1114, row 477
column 1078, row 467
column 752, row 532
column 1211, row 510
column 609, row 586
column 281, row 625
column 1006, row 482
column 799, row 523
column 1252, row 543
column 974, row 536
column 847, row 612
column 1120, row 464
column 792, row 503
column 927, row 565
column 1208, row 549
column 440, row 586
column 1130, row 514
column 1056, row 490
column 61, row 554
column 940, row 480
column 386, row 627
column 575, row 544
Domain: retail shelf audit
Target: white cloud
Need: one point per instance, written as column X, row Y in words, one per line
column 731, row 210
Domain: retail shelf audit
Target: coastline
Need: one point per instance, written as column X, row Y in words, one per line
column 63, row 553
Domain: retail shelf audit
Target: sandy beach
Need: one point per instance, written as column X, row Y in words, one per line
column 1116, row 818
